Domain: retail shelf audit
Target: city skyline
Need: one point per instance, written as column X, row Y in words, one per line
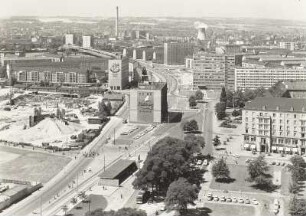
column 272, row 9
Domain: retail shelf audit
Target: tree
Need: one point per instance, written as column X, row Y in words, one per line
column 223, row 98
column 297, row 207
column 169, row 159
column 216, row 141
column 220, row 110
column 194, row 143
column 258, row 169
column 191, row 126
column 199, row 95
column 74, row 200
column 181, row 193
column 104, row 108
column 298, row 168
column 192, row 101
column 220, row 170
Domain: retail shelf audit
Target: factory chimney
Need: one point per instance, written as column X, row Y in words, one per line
column 117, row 21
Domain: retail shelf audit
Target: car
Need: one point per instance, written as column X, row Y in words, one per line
column 240, row 200
column 199, row 162
column 228, row 200
column 254, row 202
column 275, row 211
column 284, row 164
column 247, row 201
column 222, row 199
column 278, row 164
column 216, row 198
column 209, row 194
column 234, row 200
column 210, row 198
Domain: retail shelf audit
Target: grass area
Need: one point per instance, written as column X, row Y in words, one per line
column 214, row 209
column 239, row 174
column 30, row 165
column 96, row 201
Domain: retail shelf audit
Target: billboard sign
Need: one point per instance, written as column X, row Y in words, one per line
column 145, row 106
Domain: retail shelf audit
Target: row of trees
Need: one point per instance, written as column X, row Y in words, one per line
column 167, row 170
column 298, row 173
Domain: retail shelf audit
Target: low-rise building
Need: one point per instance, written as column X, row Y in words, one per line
column 275, row 125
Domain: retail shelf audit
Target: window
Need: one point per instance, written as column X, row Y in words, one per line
column 274, row 114
column 294, row 115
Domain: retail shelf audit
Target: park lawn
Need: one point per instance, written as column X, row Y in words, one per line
column 30, row 165
column 239, row 173
column 96, row 202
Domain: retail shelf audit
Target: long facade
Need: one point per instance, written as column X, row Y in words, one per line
column 175, row 53
column 275, row 125
column 252, row 78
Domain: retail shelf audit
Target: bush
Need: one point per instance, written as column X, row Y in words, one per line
column 237, row 113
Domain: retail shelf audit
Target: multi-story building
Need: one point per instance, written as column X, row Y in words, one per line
column 213, row 71
column 86, row 41
column 69, row 39
column 252, row 78
column 175, row 52
column 275, row 125
column 118, row 73
column 289, row 45
column 148, row 103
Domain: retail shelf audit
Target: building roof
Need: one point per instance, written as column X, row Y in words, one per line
column 152, row 86
column 295, row 85
column 12, row 191
column 113, row 171
column 277, row 104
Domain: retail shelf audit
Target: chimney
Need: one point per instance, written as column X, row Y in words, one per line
column 117, row 21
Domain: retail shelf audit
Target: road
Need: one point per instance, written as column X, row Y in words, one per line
column 52, row 188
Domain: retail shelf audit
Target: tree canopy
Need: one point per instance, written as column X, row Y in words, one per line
column 223, row 98
column 199, row 95
column 169, row 159
column 297, row 207
column 192, row 101
column 191, row 126
column 180, row 194
column 220, row 109
column 220, row 170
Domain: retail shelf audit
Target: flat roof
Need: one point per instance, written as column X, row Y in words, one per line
column 277, row 104
column 113, row 171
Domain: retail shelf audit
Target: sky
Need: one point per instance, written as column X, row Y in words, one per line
column 274, row 9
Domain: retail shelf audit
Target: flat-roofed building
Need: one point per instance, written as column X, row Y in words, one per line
column 252, row 78
column 148, row 103
column 176, row 52
column 118, row 73
column 275, row 125
column 213, row 71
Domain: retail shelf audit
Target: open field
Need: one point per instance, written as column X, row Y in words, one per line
column 239, row 174
column 26, row 165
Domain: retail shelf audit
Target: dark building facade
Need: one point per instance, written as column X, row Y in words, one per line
column 148, row 103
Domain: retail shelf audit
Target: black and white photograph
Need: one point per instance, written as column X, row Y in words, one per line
column 153, row 108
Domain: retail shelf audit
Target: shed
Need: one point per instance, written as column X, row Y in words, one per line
column 118, row 173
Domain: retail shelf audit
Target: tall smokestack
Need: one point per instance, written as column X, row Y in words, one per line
column 117, row 21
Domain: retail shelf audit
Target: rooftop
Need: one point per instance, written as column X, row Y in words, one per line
column 277, row 104
column 113, row 171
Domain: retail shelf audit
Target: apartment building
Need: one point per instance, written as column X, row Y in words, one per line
column 212, row 71
column 275, row 125
column 252, row 78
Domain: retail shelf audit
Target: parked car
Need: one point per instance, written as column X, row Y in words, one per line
column 255, row 202
column 228, row 200
column 234, row 200
column 216, row 198
column 247, row 201
column 205, row 163
column 241, row 200
column 222, row 199
column 210, row 198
